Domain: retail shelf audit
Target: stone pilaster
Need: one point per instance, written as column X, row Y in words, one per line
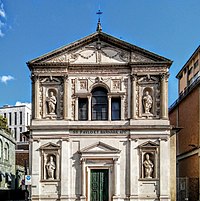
column 116, row 178
column 109, row 108
column 76, row 109
column 164, row 170
column 122, row 108
column 133, row 97
column 164, row 96
column 65, row 170
column 36, row 86
column 89, row 108
column 65, row 98
column 134, row 170
column 83, row 183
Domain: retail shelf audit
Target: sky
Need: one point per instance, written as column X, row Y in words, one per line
column 31, row 28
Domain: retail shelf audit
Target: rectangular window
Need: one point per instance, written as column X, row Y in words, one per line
column 4, row 115
column 15, row 133
column 185, row 69
column 83, row 109
column 10, row 118
column 196, row 63
column 190, row 71
column 20, row 130
column 15, row 118
column 116, row 108
column 20, row 118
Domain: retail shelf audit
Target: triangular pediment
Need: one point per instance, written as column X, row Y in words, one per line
column 99, row 147
column 148, row 144
column 49, row 145
column 99, row 48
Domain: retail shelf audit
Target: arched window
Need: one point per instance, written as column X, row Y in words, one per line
column 99, row 104
column 6, row 151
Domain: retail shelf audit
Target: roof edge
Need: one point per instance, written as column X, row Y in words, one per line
column 190, row 58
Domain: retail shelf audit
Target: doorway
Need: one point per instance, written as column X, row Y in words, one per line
column 99, row 185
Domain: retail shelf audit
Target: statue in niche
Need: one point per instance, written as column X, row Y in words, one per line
column 51, row 103
column 148, row 167
column 147, row 102
column 51, row 168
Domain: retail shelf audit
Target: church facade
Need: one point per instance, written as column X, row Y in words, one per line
column 100, row 128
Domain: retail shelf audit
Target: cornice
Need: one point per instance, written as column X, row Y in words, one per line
column 100, row 127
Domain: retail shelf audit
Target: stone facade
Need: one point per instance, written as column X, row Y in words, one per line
column 100, row 111
column 7, row 160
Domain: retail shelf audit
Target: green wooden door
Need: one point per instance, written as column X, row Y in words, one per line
column 99, row 185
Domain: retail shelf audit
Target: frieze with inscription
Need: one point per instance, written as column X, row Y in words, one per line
column 98, row 132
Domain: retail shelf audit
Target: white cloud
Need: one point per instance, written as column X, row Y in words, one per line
column 2, row 11
column 18, row 103
column 6, row 78
column 2, row 17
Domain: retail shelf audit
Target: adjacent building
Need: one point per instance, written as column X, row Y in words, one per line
column 18, row 120
column 7, row 157
column 100, row 129
column 185, row 115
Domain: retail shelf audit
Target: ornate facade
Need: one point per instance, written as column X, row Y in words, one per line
column 100, row 128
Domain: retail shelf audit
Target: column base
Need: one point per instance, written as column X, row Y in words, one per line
column 164, row 198
column 64, row 198
column 116, row 198
column 133, row 197
column 82, row 198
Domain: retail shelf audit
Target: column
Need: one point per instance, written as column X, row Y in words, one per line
column 164, row 96
column 109, row 108
column 116, row 177
column 83, row 184
column 36, row 84
column 89, row 108
column 76, row 109
column 134, row 169
column 164, row 170
column 133, row 97
column 65, row 170
column 122, row 108
column 65, row 97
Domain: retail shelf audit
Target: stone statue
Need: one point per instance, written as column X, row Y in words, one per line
column 50, row 167
column 51, row 102
column 148, row 167
column 147, row 102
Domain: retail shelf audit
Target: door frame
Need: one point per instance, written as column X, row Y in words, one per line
column 110, row 181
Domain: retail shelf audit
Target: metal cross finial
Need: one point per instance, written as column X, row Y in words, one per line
column 99, row 13
column 99, row 28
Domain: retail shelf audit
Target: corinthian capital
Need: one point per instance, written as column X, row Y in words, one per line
column 34, row 78
column 65, row 78
column 134, row 77
column 164, row 76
